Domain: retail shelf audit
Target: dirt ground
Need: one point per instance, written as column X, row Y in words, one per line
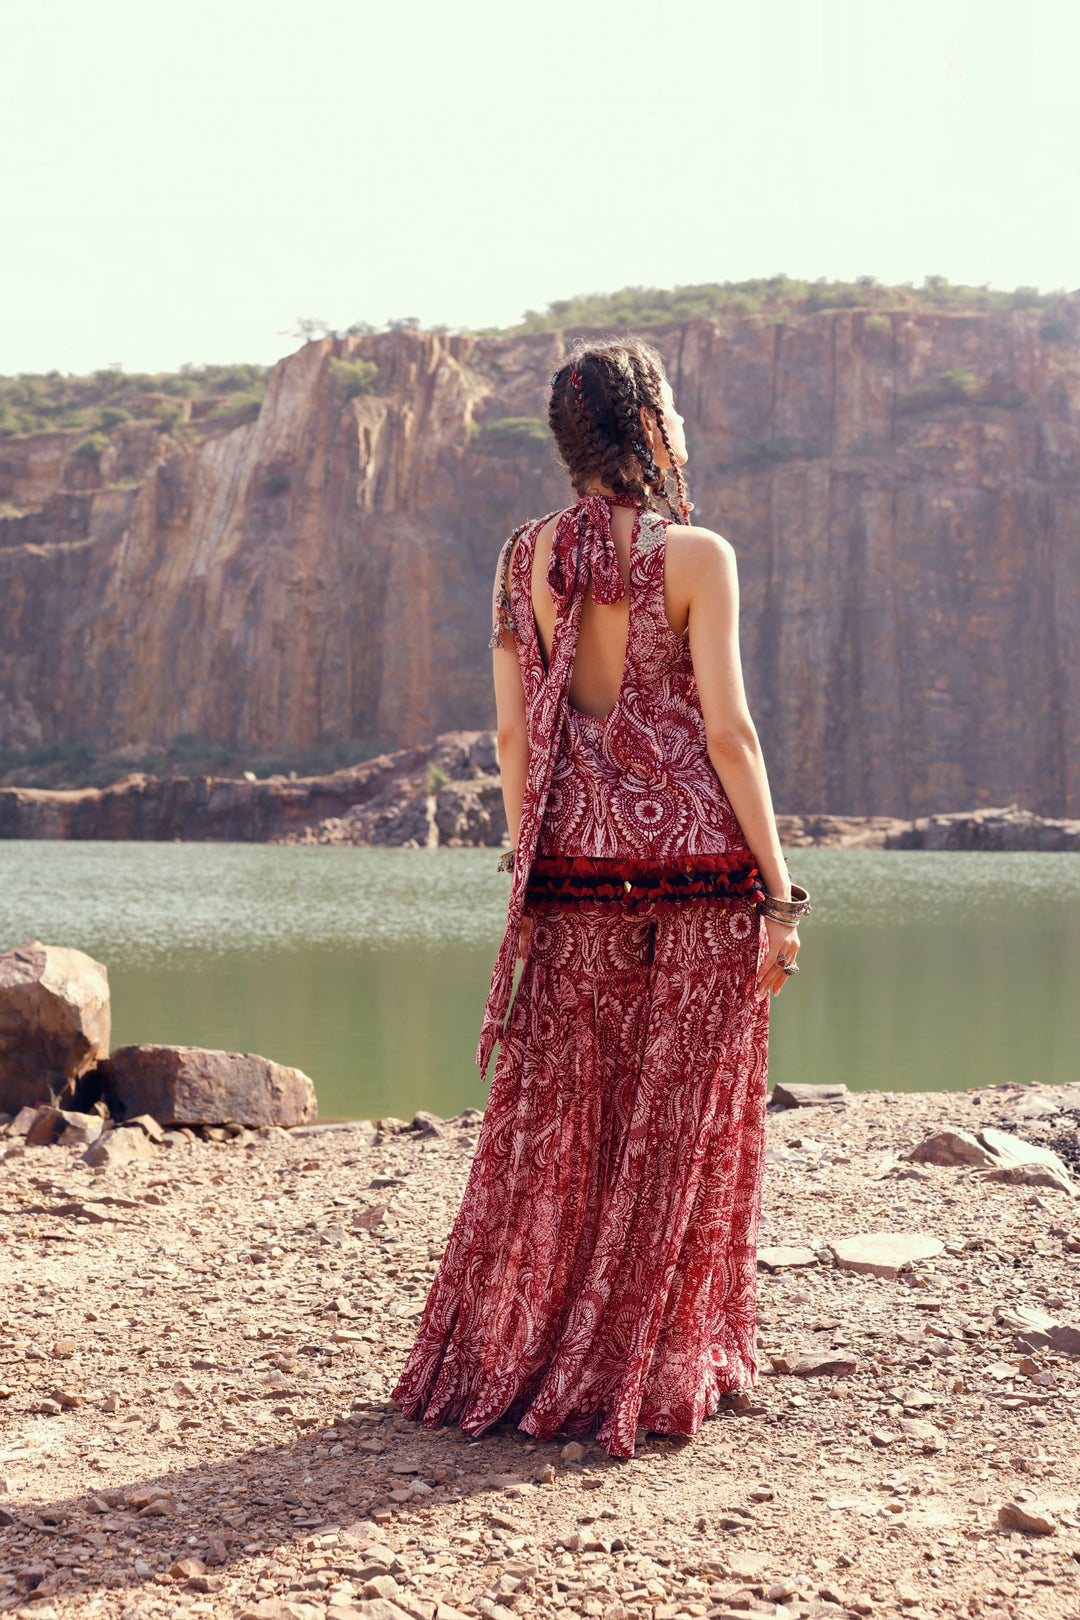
column 196, row 1353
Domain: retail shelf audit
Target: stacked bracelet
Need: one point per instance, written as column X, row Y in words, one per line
column 787, row 911
column 506, row 861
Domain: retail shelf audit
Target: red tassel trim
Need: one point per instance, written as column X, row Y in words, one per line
column 634, row 885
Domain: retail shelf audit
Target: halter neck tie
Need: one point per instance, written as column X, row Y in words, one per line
column 583, row 552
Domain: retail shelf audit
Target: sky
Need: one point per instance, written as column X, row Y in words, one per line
column 181, row 181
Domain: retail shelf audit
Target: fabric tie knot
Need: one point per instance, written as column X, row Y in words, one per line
column 583, row 554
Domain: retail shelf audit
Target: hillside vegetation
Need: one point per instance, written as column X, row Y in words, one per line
column 39, row 402
column 222, row 396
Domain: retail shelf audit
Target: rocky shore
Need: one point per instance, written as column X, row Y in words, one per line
column 197, row 1348
column 443, row 793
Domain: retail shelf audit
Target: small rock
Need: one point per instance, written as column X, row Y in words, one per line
column 918, row 1429
column 381, row 1586
column 119, row 1146
column 800, row 1364
column 782, row 1257
column 884, row 1254
column 1026, row 1517
column 797, row 1095
column 22, row 1121
column 185, row 1569
column 145, row 1494
column 573, row 1452
column 147, row 1123
column 44, row 1128
column 63, row 1349
column 951, row 1148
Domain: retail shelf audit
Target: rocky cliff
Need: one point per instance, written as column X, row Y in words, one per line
column 902, row 489
column 444, row 793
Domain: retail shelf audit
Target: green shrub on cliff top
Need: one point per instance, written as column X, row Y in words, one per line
column 93, row 448
column 515, row 436
column 352, row 377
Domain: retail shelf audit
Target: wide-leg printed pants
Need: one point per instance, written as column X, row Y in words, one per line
column 601, row 1273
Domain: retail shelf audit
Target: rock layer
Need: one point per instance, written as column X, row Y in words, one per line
column 902, row 489
column 444, row 793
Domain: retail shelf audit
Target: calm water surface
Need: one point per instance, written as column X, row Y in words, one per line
column 368, row 968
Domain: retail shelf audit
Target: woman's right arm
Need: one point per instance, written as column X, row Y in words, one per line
column 710, row 572
column 512, row 732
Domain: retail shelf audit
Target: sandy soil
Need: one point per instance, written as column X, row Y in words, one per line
column 195, row 1355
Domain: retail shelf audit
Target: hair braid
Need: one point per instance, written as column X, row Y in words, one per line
column 594, row 413
column 649, row 377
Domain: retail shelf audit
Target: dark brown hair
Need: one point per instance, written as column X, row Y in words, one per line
column 595, row 419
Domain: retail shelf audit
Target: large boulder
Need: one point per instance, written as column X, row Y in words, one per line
column 54, row 1024
column 187, row 1085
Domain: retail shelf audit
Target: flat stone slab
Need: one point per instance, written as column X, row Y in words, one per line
column 808, row 1364
column 190, row 1085
column 785, row 1257
column 884, row 1254
column 797, row 1095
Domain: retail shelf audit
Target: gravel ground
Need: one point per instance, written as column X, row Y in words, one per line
column 196, row 1350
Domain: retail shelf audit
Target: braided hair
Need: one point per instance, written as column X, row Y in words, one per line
column 595, row 419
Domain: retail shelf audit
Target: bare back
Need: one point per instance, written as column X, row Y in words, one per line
column 600, row 658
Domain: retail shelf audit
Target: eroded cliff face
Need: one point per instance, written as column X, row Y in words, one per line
column 902, row 490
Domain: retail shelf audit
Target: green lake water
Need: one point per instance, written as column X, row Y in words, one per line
column 368, row 968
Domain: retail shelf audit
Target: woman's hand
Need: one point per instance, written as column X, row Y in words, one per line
column 783, row 941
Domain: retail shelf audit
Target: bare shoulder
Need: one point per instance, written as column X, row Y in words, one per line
column 691, row 548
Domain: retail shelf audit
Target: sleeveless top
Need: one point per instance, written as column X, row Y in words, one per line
column 623, row 810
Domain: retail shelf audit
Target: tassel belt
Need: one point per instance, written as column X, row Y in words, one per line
column 643, row 884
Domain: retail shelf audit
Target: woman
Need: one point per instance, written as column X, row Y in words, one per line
column 600, row 1276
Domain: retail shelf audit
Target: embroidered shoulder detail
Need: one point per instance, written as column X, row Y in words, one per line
column 652, row 529
column 501, row 612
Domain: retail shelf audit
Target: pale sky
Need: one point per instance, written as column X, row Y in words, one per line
column 179, row 182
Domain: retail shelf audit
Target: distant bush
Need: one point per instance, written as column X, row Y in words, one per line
column 170, row 416
column 519, row 436
column 877, row 323
column 353, row 377
column 113, row 415
column 92, row 449
column 764, row 453
column 276, row 484
column 947, row 388
column 436, row 778
column 1054, row 331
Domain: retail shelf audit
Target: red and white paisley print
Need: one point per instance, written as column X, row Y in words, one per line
column 600, row 1276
